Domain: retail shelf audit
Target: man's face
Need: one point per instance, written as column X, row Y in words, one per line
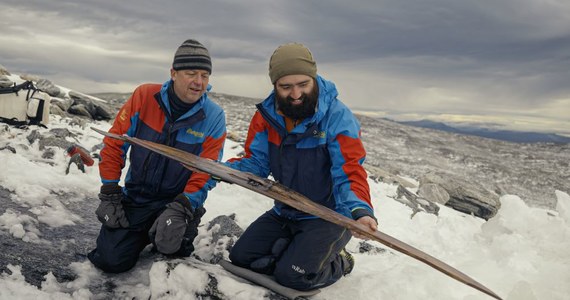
column 296, row 96
column 190, row 85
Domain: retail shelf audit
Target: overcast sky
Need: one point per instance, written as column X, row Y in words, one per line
column 495, row 61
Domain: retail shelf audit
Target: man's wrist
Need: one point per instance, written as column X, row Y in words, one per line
column 111, row 188
column 184, row 201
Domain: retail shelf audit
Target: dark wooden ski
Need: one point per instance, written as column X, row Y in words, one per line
column 279, row 192
column 267, row 281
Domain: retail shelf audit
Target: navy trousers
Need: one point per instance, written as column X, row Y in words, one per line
column 118, row 249
column 309, row 261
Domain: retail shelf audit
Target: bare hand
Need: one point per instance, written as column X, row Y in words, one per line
column 368, row 222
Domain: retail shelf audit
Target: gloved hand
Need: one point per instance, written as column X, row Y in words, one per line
column 175, row 229
column 110, row 211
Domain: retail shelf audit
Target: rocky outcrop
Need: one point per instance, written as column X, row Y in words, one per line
column 3, row 71
column 434, row 192
column 417, row 204
column 88, row 106
column 378, row 174
column 464, row 196
column 467, row 197
column 4, row 80
column 48, row 87
column 65, row 103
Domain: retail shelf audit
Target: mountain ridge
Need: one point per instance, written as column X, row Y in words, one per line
column 514, row 136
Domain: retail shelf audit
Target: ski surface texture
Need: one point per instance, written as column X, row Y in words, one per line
column 266, row 281
column 279, row 192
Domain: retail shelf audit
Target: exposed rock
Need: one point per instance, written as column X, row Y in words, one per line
column 9, row 148
column 30, row 77
column 96, row 108
column 56, row 139
column 33, row 136
column 378, row 174
column 56, row 110
column 48, row 154
column 62, row 133
column 225, row 232
column 5, row 81
column 52, row 141
column 3, row 70
column 161, row 286
column 416, row 203
column 79, row 122
column 433, row 192
column 365, row 247
column 48, row 87
column 85, row 100
column 63, row 103
column 103, row 112
column 464, row 196
column 81, row 110
column 228, row 227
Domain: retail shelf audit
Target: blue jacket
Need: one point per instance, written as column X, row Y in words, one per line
column 320, row 158
column 151, row 176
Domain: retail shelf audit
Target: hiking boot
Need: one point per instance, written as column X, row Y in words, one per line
column 347, row 261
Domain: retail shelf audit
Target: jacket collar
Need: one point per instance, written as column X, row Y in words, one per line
column 166, row 103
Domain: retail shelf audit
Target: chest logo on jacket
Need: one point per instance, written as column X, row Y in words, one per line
column 320, row 134
column 195, row 133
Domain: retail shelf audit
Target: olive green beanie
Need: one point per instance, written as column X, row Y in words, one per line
column 291, row 59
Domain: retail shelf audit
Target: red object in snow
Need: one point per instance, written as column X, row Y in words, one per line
column 85, row 157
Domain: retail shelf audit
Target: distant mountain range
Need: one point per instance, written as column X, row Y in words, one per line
column 503, row 135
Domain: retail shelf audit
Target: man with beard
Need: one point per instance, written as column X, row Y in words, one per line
column 309, row 141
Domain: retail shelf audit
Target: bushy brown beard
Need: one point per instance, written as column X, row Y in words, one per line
column 302, row 111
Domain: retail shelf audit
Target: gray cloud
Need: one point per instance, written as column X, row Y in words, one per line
column 509, row 57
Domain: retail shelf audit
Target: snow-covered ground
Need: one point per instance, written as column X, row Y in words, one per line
column 521, row 253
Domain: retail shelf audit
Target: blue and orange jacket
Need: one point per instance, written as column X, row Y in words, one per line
column 321, row 157
column 151, row 176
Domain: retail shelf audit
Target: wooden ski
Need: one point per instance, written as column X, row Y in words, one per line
column 279, row 192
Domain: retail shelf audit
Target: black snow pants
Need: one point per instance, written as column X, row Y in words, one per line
column 301, row 254
column 118, row 249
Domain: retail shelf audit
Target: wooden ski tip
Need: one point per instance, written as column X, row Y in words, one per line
column 267, row 282
column 97, row 130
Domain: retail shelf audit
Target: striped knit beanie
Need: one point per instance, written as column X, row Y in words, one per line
column 291, row 59
column 192, row 55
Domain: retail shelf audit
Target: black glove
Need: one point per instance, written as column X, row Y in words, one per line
column 175, row 229
column 110, row 211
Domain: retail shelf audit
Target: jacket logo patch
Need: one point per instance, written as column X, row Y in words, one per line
column 320, row 134
column 195, row 133
column 123, row 115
